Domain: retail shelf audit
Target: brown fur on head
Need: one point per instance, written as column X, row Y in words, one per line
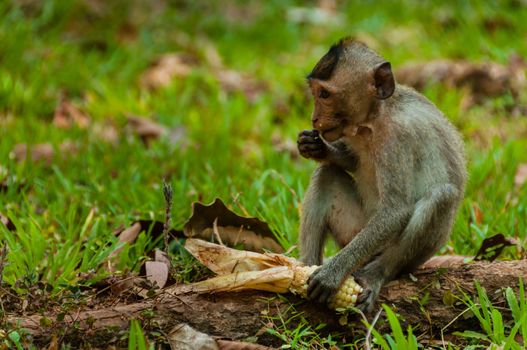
column 347, row 84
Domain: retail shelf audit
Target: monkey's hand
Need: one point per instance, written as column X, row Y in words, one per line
column 310, row 145
column 324, row 283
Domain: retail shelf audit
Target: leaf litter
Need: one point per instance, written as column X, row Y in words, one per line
column 482, row 79
column 251, row 233
column 179, row 65
column 43, row 152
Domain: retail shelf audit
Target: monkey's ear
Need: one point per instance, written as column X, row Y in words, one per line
column 384, row 81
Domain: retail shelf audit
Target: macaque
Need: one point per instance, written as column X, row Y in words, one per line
column 390, row 179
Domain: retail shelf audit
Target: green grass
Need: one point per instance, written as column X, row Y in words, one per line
column 65, row 213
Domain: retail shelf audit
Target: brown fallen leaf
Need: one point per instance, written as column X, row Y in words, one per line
column 106, row 132
column 157, row 272
column 127, row 236
column 146, row 129
column 323, row 15
column 41, row 152
column 484, row 79
column 184, row 337
column 168, row 67
column 232, row 81
column 521, row 175
column 67, row 114
column 149, row 130
column 492, row 247
column 445, row 261
column 253, row 233
column 153, row 228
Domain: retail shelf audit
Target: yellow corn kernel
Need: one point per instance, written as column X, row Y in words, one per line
column 346, row 295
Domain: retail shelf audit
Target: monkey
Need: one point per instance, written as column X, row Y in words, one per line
column 390, row 178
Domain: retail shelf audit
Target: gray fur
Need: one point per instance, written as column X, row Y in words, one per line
column 391, row 178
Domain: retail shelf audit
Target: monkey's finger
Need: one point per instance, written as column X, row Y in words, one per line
column 309, row 138
column 324, row 296
column 315, row 291
column 312, row 133
column 310, row 146
column 313, row 274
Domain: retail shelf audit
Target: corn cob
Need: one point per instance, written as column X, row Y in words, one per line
column 346, row 295
column 241, row 270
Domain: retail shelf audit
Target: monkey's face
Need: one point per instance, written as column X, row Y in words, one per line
column 339, row 103
column 346, row 83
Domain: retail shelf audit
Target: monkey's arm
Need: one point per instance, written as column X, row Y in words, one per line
column 390, row 218
column 311, row 145
column 384, row 225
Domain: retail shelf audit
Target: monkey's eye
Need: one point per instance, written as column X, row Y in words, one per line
column 323, row 93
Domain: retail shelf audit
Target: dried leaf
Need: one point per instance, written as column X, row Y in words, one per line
column 166, row 68
column 39, row 152
column 521, row 175
column 184, row 337
column 487, row 79
column 161, row 256
column 6, row 222
column 153, row 228
column 253, row 233
column 231, row 81
column 492, row 247
column 275, row 279
column 157, row 272
column 445, row 261
column 106, row 132
column 128, row 236
column 238, row 345
column 67, row 114
column 146, row 129
column 314, row 15
column 224, row 260
column 43, row 152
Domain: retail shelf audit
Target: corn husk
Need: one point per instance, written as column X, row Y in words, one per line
column 240, row 270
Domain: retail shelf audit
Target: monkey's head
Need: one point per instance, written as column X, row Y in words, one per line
column 347, row 82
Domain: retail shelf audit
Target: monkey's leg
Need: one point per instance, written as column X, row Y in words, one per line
column 331, row 204
column 426, row 232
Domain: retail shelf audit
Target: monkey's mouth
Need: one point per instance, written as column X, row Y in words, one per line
column 332, row 134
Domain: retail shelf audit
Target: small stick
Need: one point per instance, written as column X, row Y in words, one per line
column 167, row 192
column 216, row 231
column 3, row 254
column 370, row 328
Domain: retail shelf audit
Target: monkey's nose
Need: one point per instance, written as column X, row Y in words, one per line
column 314, row 120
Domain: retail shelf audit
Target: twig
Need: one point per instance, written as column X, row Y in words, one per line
column 370, row 328
column 167, row 192
column 3, row 254
column 216, row 231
